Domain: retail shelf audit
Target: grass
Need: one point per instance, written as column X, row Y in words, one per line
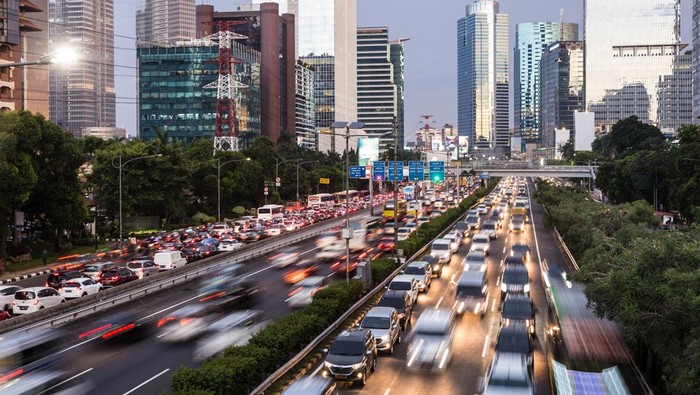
column 52, row 258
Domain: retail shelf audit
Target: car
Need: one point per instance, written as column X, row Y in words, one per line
column 508, row 374
column 490, row 228
column 302, row 293
column 94, row 270
column 518, row 310
column 29, row 300
column 503, row 206
column 422, row 272
column 79, row 287
column 473, row 221
column 462, row 228
column 455, row 241
column 442, row 249
column 402, row 302
column 475, row 261
column 300, row 270
column 514, row 279
column 435, row 263
column 513, row 260
column 386, row 244
column 516, row 225
column 143, row 267
column 471, row 293
column 481, row 242
column 497, row 217
column 233, row 329
column 384, row 323
column 57, row 279
column 7, row 295
column 522, row 250
column 407, row 283
column 351, row 357
column 167, row 260
column 311, row 385
column 186, row 323
column 285, row 257
column 515, row 339
column 229, row 245
column 117, row 276
column 404, row 233
column 482, row 209
column 430, row 348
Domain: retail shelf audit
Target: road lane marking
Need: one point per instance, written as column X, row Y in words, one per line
column 439, row 301
column 486, row 345
column 306, row 252
column 504, row 248
column 65, row 381
column 318, row 369
column 493, row 305
column 77, row 345
column 387, row 391
column 147, row 381
column 175, row 305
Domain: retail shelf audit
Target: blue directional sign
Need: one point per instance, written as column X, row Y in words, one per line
column 358, row 172
column 416, row 171
column 397, row 169
column 437, row 171
column 379, row 173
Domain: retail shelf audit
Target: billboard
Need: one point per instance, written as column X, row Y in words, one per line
column 367, row 150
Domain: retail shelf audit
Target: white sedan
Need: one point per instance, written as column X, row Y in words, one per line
column 79, row 287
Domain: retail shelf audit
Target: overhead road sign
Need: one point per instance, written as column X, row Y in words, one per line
column 379, row 173
column 437, row 171
column 416, row 171
column 358, row 172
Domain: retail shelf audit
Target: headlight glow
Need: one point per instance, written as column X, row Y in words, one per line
column 504, row 287
column 526, row 288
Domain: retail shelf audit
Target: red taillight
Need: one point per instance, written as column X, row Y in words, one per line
column 118, row 331
column 93, row 331
column 165, row 320
column 185, row 321
column 11, row 375
column 214, row 296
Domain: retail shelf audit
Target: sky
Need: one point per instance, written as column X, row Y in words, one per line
column 430, row 54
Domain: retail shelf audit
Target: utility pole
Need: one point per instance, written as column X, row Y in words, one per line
column 396, row 189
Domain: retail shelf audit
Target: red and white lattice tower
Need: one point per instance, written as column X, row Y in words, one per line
column 226, row 132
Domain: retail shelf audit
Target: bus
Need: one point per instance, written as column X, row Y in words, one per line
column 388, row 210
column 322, row 199
column 340, row 196
column 270, row 211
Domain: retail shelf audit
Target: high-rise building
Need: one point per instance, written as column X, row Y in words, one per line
column 305, row 106
column 397, row 60
column 630, row 44
column 696, row 61
column 273, row 36
column 531, row 41
column 675, row 95
column 377, row 91
column 561, row 88
column 326, row 38
column 23, row 38
column 173, row 101
column 161, row 22
column 482, row 76
column 82, row 95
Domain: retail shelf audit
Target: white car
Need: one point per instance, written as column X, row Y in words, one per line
column 276, row 230
column 490, row 228
column 29, row 300
column 403, row 233
column 229, row 245
column 79, row 287
column 442, row 249
column 422, row 272
column 302, row 293
column 285, row 257
column 481, row 242
column 431, row 341
column 482, row 209
column 143, row 267
column 7, row 295
column 508, row 374
column 233, row 330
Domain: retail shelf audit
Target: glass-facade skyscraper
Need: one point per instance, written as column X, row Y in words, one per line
column 482, row 76
column 675, row 94
column 305, row 106
column 397, row 61
column 630, row 45
column 531, row 41
column 164, row 21
column 696, row 61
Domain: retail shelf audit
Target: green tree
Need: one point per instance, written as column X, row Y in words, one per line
column 627, row 137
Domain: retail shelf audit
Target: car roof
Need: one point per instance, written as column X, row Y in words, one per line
column 404, row 277
column 471, row 277
column 514, row 268
column 353, row 333
column 73, row 280
column 33, row 289
column 380, row 311
column 509, row 365
column 394, row 294
column 434, row 319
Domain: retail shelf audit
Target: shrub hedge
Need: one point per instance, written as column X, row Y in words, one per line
column 240, row 369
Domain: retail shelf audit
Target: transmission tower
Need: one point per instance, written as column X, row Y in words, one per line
column 226, row 132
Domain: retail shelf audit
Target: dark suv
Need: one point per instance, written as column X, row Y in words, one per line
column 353, row 355
column 401, row 301
column 56, row 280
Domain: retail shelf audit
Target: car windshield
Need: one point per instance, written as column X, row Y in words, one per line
column 480, row 239
column 441, row 246
column 376, row 323
column 508, row 382
column 515, row 277
column 519, row 307
column 347, row 347
column 488, row 226
column 519, row 248
column 110, row 274
column 397, row 303
column 415, row 270
column 134, row 265
column 517, row 342
column 400, row 285
column 468, row 290
column 25, row 295
column 91, row 269
column 71, row 285
column 404, row 230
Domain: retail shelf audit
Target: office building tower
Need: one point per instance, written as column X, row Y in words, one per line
column 397, row 61
column 326, row 38
column 531, row 41
column 675, row 95
column 173, row 101
column 161, row 22
column 482, row 76
column 561, row 88
column 82, row 95
column 272, row 36
column 305, row 106
column 696, row 61
column 377, row 91
column 23, row 38
column 630, row 45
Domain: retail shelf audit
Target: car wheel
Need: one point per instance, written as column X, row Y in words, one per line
column 41, row 307
column 63, row 301
column 83, row 295
column 374, row 364
column 391, row 350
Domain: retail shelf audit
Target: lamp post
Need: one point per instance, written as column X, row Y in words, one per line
column 277, row 166
column 347, row 232
column 218, row 183
column 120, row 167
column 299, row 165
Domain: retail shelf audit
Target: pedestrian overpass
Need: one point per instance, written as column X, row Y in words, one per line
column 522, row 169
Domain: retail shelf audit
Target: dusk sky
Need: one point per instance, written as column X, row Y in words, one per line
column 431, row 55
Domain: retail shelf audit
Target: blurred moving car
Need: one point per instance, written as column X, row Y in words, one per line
column 515, row 339
column 522, row 250
column 431, row 340
column 384, row 323
column 285, row 257
column 29, row 300
column 234, row 329
column 472, row 293
column 311, row 385
column 508, row 374
column 302, row 293
column 300, row 271
column 186, row 323
column 79, row 287
column 481, row 242
column 475, row 261
column 518, row 310
column 514, row 279
column 94, row 270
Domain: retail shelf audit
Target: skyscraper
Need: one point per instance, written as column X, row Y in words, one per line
column 83, row 94
column 696, row 61
column 531, row 41
column 482, row 76
column 630, row 44
column 561, row 88
column 164, row 21
column 377, row 100
column 397, row 61
column 326, row 39
column 675, row 95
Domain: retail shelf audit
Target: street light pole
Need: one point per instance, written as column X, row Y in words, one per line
column 298, row 166
column 218, row 183
column 396, row 188
column 277, row 166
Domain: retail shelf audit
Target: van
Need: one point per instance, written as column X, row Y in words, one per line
column 471, row 293
column 167, row 260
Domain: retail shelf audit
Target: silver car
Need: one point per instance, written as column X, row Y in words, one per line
column 143, row 267
column 431, row 342
column 384, row 324
column 422, row 272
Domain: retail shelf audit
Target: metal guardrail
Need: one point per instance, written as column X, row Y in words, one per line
column 279, row 373
column 84, row 307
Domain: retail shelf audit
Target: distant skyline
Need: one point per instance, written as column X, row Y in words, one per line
column 431, row 52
